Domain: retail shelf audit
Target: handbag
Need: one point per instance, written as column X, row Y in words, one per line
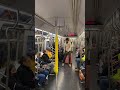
column 81, row 76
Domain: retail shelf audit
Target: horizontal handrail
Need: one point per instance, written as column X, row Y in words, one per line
column 2, row 85
column 3, row 74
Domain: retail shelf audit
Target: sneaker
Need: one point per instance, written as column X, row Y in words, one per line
column 82, row 82
column 47, row 78
column 70, row 65
column 76, row 69
column 82, row 68
column 39, row 84
column 62, row 64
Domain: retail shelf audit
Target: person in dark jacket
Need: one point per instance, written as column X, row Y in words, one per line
column 24, row 73
column 46, row 61
column 13, row 84
column 45, row 57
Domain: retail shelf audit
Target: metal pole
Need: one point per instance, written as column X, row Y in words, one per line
column 56, row 32
column 52, row 47
column 17, row 46
column 56, row 82
column 42, row 41
column 8, row 56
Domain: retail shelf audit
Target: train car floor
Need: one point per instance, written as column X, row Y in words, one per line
column 67, row 79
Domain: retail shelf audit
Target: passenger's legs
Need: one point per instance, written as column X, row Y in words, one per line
column 70, row 63
column 41, row 79
column 78, row 63
column 65, row 55
column 69, row 57
column 51, row 67
column 46, row 73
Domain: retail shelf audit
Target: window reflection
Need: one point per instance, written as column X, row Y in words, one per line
column 3, row 53
column 13, row 47
column 2, row 34
column 20, row 49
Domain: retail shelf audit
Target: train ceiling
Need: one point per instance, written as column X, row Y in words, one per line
column 68, row 13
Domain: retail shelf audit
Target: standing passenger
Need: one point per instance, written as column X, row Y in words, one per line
column 67, row 50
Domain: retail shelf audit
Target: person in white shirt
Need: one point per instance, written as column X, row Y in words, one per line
column 67, row 51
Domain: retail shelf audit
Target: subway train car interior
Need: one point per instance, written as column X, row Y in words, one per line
column 59, row 45
column 57, row 16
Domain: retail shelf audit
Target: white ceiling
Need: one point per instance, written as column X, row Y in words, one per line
column 49, row 9
column 52, row 8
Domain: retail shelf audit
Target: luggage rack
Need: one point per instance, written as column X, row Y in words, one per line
column 13, row 28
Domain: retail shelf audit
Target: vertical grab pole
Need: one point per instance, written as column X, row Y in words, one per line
column 42, row 41
column 56, row 32
column 8, row 55
column 52, row 46
column 17, row 46
column 17, row 37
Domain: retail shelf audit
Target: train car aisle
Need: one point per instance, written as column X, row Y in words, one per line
column 67, row 79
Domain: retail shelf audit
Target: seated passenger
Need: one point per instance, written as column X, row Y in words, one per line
column 46, row 61
column 78, row 60
column 42, row 75
column 42, row 69
column 13, row 84
column 45, row 57
column 38, row 58
column 24, row 73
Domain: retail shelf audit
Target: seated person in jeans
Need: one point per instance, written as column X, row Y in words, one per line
column 46, row 61
column 45, row 57
column 41, row 79
column 78, row 60
column 41, row 75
